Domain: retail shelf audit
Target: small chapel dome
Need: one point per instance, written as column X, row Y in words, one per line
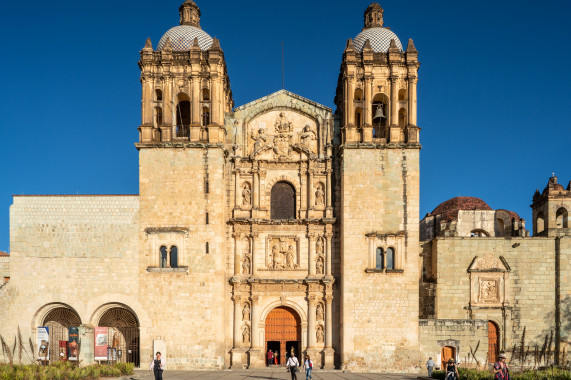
column 380, row 39
column 182, row 36
column 449, row 209
column 379, row 36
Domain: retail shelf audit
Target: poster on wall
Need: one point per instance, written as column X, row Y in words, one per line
column 100, row 343
column 43, row 343
column 73, row 343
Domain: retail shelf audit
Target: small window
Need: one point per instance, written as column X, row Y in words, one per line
column 540, row 223
column 205, row 94
column 561, row 218
column 174, row 257
column 390, row 258
column 206, row 218
column 379, row 259
column 158, row 95
column 158, row 117
column 205, row 117
column 163, row 257
column 206, row 189
column 282, row 204
column 207, row 248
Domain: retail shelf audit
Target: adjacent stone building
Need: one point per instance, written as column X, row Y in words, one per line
column 281, row 225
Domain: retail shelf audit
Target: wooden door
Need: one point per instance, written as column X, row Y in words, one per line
column 283, row 325
column 493, row 342
column 448, row 352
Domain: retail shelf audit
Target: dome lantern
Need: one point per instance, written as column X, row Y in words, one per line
column 189, row 14
column 374, row 16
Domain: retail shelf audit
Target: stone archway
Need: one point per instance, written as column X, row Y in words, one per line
column 123, row 334
column 58, row 320
column 283, row 333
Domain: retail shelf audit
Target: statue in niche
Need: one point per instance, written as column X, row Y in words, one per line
column 246, row 335
column 319, row 195
column 319, row 312
column 277, row 257
column 308, row 137
column 246, row 312
column 319, row 246
column 246, row 265
column 319, row 265
column 319, row 334
column 246, row 195
column 488, row 290
column 259, row 141
column 290, row 256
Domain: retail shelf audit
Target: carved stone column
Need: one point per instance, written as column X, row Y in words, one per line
column 311, row 201
column 195, row 100
column 394, row 100
column 215, row 103
column 237, row 194
column 256, row 360
column 237, row 350
column 328, row 188
column 237, row 237
column 255, row 257
column 328, row 238
column 329, row 351
column 311, row 264
column 303, row 183
column 412, row 81
column 368, row 109
column 350, row 94
column 311, row 302
column 256, row 189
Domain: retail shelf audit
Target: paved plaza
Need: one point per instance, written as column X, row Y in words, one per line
column 274, row 373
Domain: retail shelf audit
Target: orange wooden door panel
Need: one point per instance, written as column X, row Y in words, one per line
column 447, row 353
column 493, row 342
column 282, row 325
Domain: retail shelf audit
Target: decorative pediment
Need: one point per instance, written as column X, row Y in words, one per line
column 488, row 263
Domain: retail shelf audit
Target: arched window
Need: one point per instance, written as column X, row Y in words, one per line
column 205, row 117
column 174, row 257
column 390, row 258
column 501, row 226
column 380, row 113
column 205, row 94
column 479, row 233
column 183, row 116
column 402, row 95
column 158, row 95
column 163, row 261
column 540, row 223
column 379, row 259
column 402, row 117
column 282, row 201
column 358, row 94
column 561, row 218
column 158, row 117
column 358, row 117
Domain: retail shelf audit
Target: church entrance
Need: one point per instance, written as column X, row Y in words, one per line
column 283, row 333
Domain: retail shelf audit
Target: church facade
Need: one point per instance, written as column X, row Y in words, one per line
column 277, row 225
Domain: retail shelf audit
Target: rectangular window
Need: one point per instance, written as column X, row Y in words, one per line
column 206, row 187
column 207, row 252
column 206, row 218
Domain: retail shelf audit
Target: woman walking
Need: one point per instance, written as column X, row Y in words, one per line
column 308, row 365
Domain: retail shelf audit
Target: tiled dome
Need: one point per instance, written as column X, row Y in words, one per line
column 380, row 39
column 449, row 209
column 183, row 36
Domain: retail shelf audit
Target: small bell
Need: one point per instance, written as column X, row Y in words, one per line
column 379, row 114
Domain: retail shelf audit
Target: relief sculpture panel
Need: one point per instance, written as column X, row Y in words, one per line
column 282, row 253
column 282, row 136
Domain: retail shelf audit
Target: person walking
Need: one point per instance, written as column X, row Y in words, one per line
column 430, row 366
column 158, row 366
column 270, row 357
column 501, row 370
column 451, row 370
column 292, row 364
column 308, row 365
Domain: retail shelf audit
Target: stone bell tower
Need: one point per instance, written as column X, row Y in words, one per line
column 378, row 144
column 186, row 93
column 550, row 209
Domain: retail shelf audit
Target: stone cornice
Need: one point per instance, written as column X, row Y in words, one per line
column 179, row 144
column 281, row 222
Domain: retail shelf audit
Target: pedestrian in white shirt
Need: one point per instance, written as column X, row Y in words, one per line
column 292, row 364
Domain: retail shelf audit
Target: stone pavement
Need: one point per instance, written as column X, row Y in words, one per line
column 267, row 374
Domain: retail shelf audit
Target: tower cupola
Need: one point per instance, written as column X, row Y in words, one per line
column 373, row 16
column 189, row 14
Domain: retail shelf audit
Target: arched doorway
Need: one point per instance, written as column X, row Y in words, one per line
column 59, row 320
column 283, row 332
column 493, row 342
column 448, row 352
column 123, row 334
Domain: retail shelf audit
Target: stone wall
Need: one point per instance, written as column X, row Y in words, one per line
column 468, row 337
column 78, row 252
column 563, row 246
column 187, row 308
column 379, row 199
column 4, row 268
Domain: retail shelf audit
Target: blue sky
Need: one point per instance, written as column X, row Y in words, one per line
column 493, row 100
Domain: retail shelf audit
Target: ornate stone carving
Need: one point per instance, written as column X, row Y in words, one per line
column 246, row 334
column 319, row 246
column 260, row 142
column 246, row 265
column 319, row 312
column 489, row 290
column 282, row 253
column 308, row 138
column 246, row 312
column 319, row 264
column 320, row 194
column 282, row 124
column 319, row 334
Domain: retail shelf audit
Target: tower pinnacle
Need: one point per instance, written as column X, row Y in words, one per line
column 189, row 14
column 373, row 16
